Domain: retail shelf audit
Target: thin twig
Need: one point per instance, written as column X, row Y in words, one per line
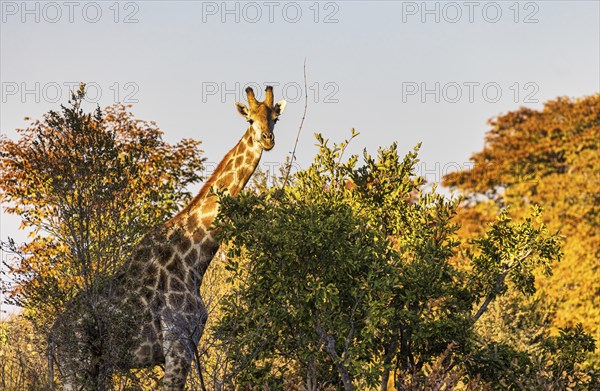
column 199, row 368
column 498, row 286
column 289, row 168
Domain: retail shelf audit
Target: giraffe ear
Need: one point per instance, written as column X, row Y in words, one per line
column 280, row 106
column 242, row 109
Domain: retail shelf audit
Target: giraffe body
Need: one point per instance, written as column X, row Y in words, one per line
column 160, row 283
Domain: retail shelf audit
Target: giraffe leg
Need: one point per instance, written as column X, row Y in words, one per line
column 177, row 366
column 178, row 353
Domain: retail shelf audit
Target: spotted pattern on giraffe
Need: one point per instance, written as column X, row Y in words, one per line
column 162, row 279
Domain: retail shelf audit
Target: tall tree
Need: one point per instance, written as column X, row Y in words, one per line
column 548, row 157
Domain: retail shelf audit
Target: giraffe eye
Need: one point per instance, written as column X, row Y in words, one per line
column 251, row 121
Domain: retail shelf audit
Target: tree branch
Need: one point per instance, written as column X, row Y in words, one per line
column 490, row 297
column 329, row 344
column 498, row 287
column 289, row 167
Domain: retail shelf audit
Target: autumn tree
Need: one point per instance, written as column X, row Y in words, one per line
column 547, row 157
column 87, row 186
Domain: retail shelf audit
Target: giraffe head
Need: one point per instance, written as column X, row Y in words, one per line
column 262, row 116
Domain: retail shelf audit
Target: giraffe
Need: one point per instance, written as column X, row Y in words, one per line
column 161, row 281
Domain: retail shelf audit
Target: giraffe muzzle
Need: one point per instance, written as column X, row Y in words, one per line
column 267, row 140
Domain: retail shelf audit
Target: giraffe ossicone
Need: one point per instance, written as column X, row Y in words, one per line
column 156, row 294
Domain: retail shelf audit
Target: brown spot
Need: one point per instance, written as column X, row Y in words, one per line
column 210, row 246
column 158, row 301
column 226, row 180
column 193, row 280
column 249, row 158
column 192, row 257
column 228, row 166
column 198, row 235
column 191, row 303
column 176, row 235
column 162, row 281
column 207, row 221
column 192, row 222
column 209, row 205
column 142, row 253
column 152, row 269
column 149, row 280
column 134, row 268
column 184, row 245
column 239, row 160
column 244, row 172
column 176, row 299
column 177, row 269
column 148, row 294
column 164, row 254
column 175, row 285
column 202, row 269
column 156, row 325
column 175, row 265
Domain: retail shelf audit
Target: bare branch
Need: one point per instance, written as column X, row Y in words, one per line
column 289, row 167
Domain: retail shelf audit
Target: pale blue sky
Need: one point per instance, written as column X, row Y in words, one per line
column 363, row 68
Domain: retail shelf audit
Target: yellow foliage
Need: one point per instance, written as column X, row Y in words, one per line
column 550, row 158
column 23, row 363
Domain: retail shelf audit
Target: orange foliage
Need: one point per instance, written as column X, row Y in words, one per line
column 548, row 157
column 87, row 186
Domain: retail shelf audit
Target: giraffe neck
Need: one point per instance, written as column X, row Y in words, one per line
column 231, row 175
